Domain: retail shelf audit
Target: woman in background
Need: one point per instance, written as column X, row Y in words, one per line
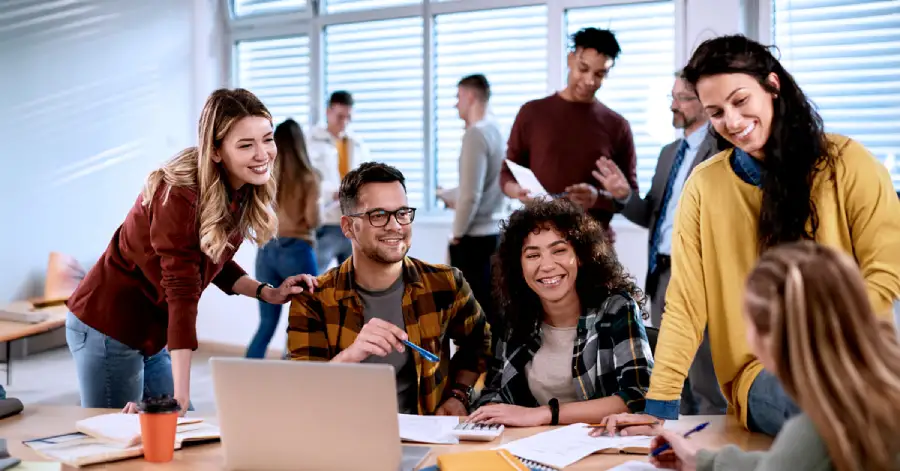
column 139, row 302
column 297, row 208
column 809, row 320
column 781, row 179
column 575, row 348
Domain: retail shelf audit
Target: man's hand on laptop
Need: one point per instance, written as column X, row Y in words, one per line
column 377, row 337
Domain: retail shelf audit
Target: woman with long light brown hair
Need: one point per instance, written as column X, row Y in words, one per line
column 139, row 302
column 297, row 208
column 810, row 322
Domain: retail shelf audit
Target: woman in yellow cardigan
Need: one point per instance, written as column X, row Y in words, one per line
column 780, row 179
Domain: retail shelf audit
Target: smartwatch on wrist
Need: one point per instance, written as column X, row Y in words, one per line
column 260, row 288
column 554, row 411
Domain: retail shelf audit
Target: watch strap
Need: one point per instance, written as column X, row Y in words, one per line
column 462, row 392
column 260, row 288
column 554, row 411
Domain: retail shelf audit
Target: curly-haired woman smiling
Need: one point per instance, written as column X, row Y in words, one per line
column 575, row 348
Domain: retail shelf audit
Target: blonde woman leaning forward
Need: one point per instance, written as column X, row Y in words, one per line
column 809, row 320
column 179, row 237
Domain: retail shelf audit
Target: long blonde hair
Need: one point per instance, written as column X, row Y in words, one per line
column 195, row 168
column 838, row 360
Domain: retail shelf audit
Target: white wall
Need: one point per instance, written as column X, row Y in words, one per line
column 96, row 93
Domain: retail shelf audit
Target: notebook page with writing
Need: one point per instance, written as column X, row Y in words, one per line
column 563, row 446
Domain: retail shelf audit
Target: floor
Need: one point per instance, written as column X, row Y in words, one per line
column 49, row 378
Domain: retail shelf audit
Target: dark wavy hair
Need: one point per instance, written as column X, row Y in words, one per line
column 599, row 274
column 796, row 149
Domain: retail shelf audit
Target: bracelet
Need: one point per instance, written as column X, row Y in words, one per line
column 260, row 288
column 554, row 411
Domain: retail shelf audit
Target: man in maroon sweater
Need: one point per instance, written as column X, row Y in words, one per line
column 561, row 136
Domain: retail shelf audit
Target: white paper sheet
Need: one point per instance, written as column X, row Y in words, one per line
column 634, row 466
column 526, row 179
column 561, row 447
column 428, row 429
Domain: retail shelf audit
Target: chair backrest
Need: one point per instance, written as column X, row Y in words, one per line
column 652, row 334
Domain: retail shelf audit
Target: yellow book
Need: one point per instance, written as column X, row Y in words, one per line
column 481, row 460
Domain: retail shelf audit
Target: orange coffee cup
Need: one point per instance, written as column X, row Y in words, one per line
column 159, row 422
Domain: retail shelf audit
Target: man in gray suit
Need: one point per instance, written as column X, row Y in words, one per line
column 656, row 212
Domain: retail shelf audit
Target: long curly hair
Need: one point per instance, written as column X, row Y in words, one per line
column 832, row 354
column 796, row 149
column 599, row 274
column 194, row 168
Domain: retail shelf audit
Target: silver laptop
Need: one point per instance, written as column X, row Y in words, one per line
column 289, row 415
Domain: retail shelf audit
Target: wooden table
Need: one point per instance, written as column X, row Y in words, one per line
column 44, row 421
column 11, row 331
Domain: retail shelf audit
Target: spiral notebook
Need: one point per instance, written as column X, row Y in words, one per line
column 558, row 448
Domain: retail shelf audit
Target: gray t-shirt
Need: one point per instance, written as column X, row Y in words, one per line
column 387, row 305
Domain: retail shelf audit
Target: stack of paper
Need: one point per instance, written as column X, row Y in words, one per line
column 111, row 437
column 428, row 429
column 120, row 428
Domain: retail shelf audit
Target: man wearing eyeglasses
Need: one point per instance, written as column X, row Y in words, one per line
column 363, row 310
column 656, row 212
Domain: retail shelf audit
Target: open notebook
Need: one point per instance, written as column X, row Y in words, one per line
column 99, row 442
column 563, row 446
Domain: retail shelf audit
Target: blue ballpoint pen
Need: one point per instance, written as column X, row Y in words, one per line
column 665, row 447
column 425, row 353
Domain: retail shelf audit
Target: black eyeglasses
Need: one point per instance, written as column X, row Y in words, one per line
column 683, row 98
column 381, row 217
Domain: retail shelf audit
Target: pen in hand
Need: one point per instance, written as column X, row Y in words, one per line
column 668, row 446
column 421, row 351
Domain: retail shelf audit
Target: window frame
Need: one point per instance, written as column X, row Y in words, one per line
column 312, row 23
column 766, row 30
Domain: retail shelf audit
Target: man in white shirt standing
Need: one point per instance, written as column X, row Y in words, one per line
column 334, row 151
column 480, row 199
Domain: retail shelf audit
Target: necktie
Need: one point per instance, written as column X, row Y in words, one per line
column 667, row 195
column 343, row 156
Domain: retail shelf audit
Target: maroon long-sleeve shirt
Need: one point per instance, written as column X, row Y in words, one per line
column 560, row 141
column 145, row 288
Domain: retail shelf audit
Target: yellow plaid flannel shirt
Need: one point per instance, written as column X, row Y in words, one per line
column 438, row 306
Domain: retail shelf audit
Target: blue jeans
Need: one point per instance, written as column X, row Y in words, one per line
column 331, row 244
column 768, row 405
column 275, row 261
column 112, row 374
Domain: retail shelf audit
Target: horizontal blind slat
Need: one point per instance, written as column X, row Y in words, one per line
column 342, row 6
column 277, row 71
column 257, row 7
column 845, row 55
column 382, row 64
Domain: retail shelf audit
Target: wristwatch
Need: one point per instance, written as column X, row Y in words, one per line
column 462, row 392
column 554, row 411
column 260, row 288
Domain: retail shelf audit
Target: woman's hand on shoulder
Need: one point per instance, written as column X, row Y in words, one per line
column 292, row 285
column 510, row 415
column 627, row 424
